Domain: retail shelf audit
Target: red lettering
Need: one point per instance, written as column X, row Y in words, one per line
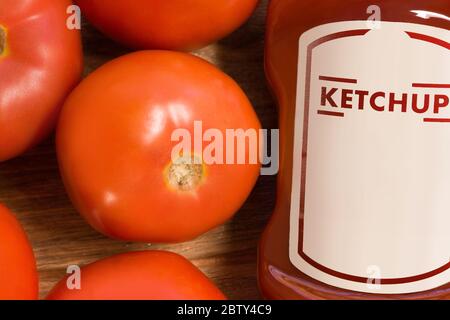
column 373, row 101
column 384, row 101
column 361, row 98
column 402, row 102
column 346, row 99
column 328, row 97
column 440, row 101
column 426, row 103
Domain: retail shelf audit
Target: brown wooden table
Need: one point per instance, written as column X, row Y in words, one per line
column 31, row 186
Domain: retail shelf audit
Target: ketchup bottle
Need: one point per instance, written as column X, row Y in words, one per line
column 363, row 208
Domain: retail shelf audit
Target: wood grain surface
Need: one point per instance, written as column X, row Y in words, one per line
column 31, row 186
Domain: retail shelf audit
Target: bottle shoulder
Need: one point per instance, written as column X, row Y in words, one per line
column 300, row 16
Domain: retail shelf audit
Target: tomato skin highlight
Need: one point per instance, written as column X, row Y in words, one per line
column 18, row 273
column 170, row 25
column 144, row 275
column 40, row 64
column 114, row 145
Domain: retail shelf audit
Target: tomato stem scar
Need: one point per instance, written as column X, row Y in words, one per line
column 185, row 174
column 2, row 40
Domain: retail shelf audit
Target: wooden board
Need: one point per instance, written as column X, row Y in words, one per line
column 31, row 186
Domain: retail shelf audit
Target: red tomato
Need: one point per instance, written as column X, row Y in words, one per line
column 18, row 273
column 146, row 275
column 163, row 24
column 114, row 144
column 40, row 62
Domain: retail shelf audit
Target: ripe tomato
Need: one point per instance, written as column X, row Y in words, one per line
column 114, row 144
column 18, row 274
column 162, row 24
column 40, row 62
column 145, row 275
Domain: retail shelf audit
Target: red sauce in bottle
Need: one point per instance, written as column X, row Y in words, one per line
column 363, row 93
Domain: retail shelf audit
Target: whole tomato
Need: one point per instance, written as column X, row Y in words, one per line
column 163, row 24
column 18, row 273
column 40, row 62
column 115, row 144
column 145, row 275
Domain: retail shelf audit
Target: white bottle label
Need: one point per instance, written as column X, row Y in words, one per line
column 370, row 207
